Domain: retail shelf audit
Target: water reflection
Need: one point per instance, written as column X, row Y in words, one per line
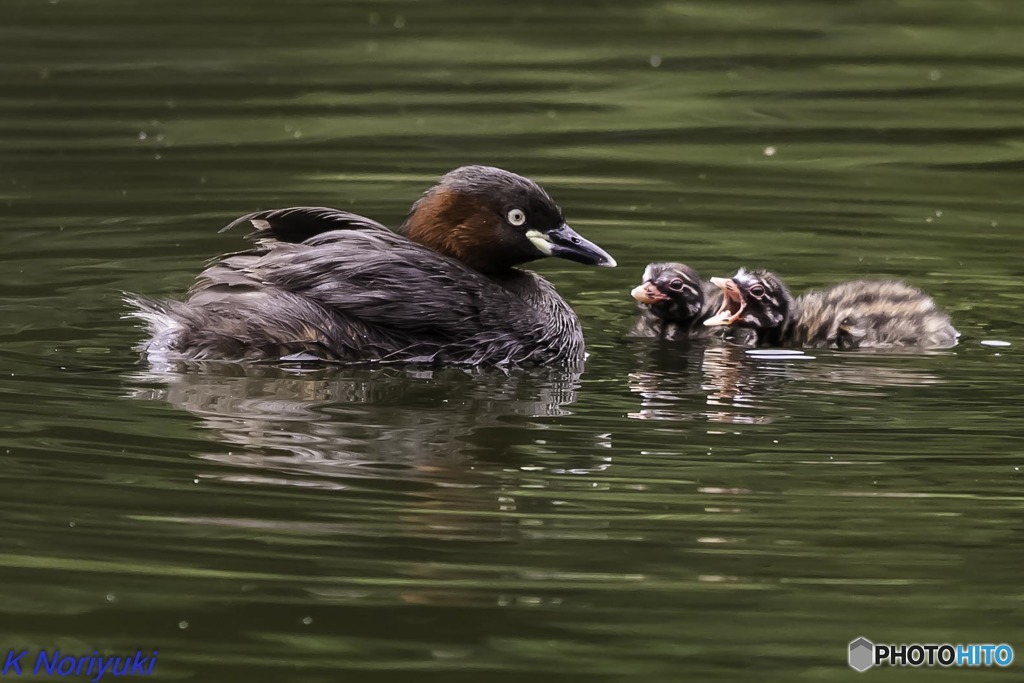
column 684, row 381
column 713, row 381
column 406, row 457
column 328, row 425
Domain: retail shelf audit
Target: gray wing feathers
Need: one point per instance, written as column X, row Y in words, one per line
column 338, row 286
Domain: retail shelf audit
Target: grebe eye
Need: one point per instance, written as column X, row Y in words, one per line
column 757, row 291
column 676, row 284
column 516, row 217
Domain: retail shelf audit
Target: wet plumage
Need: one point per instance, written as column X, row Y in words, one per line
column 859, row 314
column 331, row 285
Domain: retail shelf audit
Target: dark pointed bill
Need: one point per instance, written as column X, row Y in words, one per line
column 564, row 242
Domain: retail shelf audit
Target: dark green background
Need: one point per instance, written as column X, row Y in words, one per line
column 668, row 514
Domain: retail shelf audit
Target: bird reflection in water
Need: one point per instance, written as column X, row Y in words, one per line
column 419, row 460
column 726, row 383
column 700, row 380
column 319, row 427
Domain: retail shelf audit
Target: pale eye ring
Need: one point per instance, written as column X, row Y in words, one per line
column 757, row 291
column 676, row 285
column 516, row 216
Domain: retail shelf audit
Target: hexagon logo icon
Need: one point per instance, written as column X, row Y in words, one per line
column 862, row 654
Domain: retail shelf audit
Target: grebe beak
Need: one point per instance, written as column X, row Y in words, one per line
column 648, row 293
column 733, row 304
column 564, row 242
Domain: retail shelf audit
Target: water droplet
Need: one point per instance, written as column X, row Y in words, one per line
column 399, row 21
column 655, row 61
column 994, row 342
column 307, row 620
column 769, row 151
column 111, row 597
column 183, row 624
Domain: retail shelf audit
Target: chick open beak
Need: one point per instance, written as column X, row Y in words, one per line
column 732, row 303
column 564, row 242
column 648, row 293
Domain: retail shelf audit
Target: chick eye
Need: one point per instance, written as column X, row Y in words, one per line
column 516, row 217
column 757, row 291
column 676, row 284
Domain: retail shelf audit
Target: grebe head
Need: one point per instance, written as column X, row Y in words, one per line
column 493, row 220
column 673, row 291
column 756, row 299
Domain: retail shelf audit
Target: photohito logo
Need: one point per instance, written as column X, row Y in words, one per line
column 864, row 654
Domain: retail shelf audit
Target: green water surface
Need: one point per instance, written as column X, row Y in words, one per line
column 670, row 513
